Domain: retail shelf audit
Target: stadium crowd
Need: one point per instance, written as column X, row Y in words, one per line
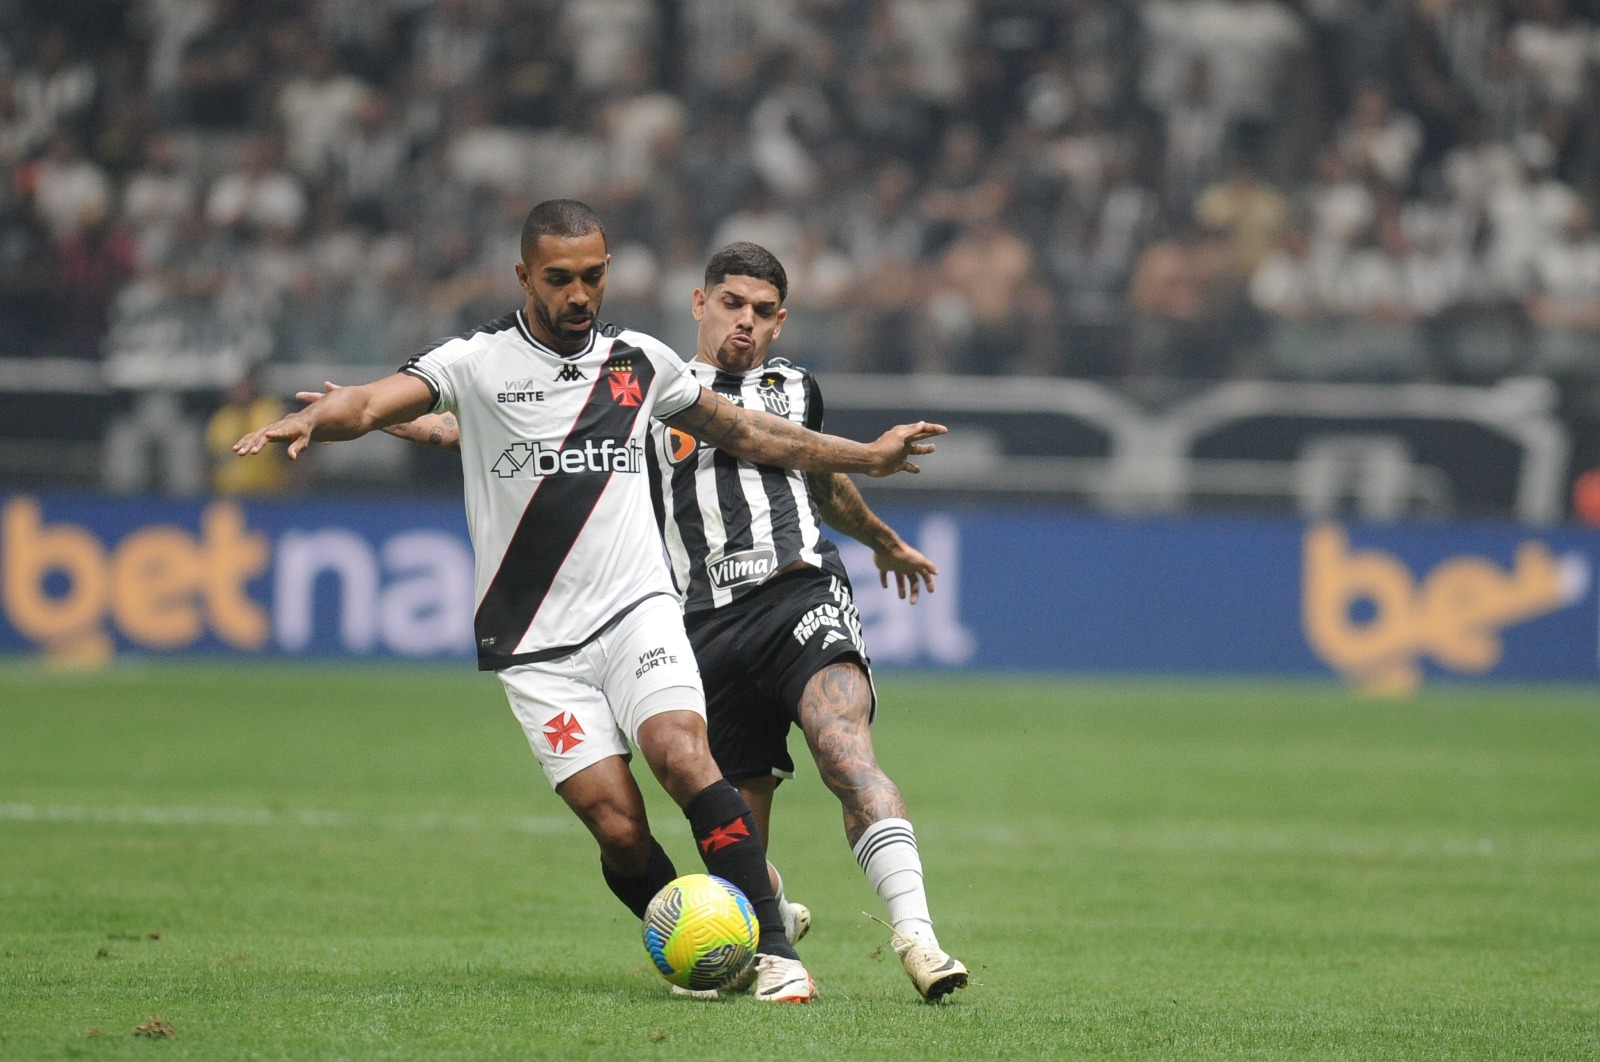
column 1124, row 189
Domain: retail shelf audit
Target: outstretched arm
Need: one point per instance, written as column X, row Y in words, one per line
column 438, row 430
column 757, row 436
column 841, row 505
column 347, row 413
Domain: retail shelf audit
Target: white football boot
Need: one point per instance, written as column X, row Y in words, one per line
column 780, row 980
column 935, row 973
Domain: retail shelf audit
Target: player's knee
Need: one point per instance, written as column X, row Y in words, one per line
column 624, row 841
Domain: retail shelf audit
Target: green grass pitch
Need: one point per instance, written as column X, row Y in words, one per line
column 362, row 862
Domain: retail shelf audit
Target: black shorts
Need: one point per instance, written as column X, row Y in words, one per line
column 756, row 656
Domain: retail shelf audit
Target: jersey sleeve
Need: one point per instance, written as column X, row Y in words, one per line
column 436, row 367
column 813, row 402
column 677, row 389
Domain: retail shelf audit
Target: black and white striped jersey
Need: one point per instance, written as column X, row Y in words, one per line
column 729, row 524
column 564, row 537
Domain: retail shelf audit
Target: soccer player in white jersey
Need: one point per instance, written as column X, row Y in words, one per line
column 768, row 605
column 575, row 611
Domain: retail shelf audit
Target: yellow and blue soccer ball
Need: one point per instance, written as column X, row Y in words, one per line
column 700, row 931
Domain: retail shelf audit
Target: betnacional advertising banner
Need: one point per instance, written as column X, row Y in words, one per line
column 1385, row 608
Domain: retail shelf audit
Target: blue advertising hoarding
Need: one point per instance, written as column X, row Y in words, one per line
column 87, row 578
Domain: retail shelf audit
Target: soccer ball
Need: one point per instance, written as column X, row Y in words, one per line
column 700, row 931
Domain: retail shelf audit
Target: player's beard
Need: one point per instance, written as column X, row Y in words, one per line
column 565, row 332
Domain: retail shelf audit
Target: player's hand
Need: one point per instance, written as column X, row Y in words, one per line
column 308, row 397
column 295, row 429
column 893, row 449
column 911, row 570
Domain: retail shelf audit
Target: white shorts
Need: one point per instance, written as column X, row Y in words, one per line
column 583, row 707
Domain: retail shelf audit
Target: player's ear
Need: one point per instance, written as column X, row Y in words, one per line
column 523, row 277
column 780, row 317
column 697, row 304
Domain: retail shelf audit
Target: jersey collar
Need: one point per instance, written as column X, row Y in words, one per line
column 527, row 333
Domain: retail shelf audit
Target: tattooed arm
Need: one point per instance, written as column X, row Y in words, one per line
column 757, row 436
column 346, row 413
column 438, row 430
column 841, row 505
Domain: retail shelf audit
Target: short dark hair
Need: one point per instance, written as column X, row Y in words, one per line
column 744, row 259
column 558, row 217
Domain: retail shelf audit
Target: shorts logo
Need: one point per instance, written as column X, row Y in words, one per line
column 563, row 733
column 625, row 389
column 739, row 569
column 652, row 659
column 773, row 396
column 570, row 373
column 823, row 616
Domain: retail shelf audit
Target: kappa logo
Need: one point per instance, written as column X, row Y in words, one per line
column 738, row 569
column 773, row 396
column 569, row 374
column 625, row 389
column 563, row 733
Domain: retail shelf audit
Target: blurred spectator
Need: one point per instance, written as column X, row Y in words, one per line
column 259, row 196
column 318, row 107
column 1565, row 303
column 1184, row 300
column 990, row 310
column 160, row 198
column 221, row 66
column 1247, row 210
column 57, row 89
column 30, row 292
column 69, row 187
column 1379, row 141
column 95, row 261
column 244, row 410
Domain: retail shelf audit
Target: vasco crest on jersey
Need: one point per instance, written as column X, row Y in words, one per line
column 625, row 387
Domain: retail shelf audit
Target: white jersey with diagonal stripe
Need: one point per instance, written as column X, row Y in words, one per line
column 730, row 524
column 558, row 505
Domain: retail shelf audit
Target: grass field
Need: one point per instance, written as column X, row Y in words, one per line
column 352, row 862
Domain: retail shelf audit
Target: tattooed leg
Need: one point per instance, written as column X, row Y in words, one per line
column 834, row 712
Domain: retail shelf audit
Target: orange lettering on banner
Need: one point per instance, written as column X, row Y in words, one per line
column 1455, row 614
column 234, row 556
column 160, row 586
column 155, row 576
column 68, row 623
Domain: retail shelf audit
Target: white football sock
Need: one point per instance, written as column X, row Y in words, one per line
column 887, row 852
column 783, row 901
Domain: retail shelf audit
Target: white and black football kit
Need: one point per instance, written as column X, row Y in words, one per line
column 732, row 528
column 564, row 537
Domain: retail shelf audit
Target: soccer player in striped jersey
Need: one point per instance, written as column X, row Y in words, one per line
column 575, row 611
column 768, row 605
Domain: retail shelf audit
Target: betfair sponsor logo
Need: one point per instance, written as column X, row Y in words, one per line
column 536, row 459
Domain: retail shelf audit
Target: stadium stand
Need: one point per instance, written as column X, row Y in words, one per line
column 1156, row 195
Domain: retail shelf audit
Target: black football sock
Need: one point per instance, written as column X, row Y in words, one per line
column 725, row 832
column 637, row 892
